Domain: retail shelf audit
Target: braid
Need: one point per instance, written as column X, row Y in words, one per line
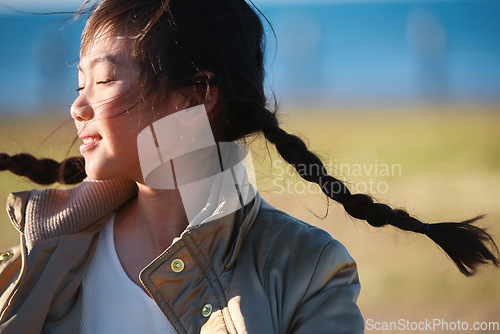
column 465, row 244
column 44, row 171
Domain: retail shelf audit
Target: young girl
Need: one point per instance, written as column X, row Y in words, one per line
column 165, row 232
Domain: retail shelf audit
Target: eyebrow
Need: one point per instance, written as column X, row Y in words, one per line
column 101, row 59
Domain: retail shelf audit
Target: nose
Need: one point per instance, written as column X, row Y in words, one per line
column 81, row 110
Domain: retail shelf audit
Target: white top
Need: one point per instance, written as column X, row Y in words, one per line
column 112, row 302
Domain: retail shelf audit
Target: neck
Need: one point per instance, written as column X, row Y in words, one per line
column 154, row 217
column 146, row 226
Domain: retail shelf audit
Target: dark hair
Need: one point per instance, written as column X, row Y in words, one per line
column 174, row 41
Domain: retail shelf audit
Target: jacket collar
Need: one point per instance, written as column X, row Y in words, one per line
column 50, row 213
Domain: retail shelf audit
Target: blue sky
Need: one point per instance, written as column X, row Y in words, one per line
column 344, row 51
column 37, row 4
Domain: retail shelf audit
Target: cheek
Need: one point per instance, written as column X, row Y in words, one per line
column 109, row 110
column 119, row 134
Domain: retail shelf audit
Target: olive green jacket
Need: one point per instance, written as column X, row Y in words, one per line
column 257, row 270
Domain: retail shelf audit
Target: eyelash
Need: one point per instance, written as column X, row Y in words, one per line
column 104, row 82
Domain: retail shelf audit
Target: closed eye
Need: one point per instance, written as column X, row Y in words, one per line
column 103, row 82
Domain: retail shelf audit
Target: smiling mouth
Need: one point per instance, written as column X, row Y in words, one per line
column 89, row 143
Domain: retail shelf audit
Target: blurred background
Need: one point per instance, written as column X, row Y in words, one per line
column 400, row 98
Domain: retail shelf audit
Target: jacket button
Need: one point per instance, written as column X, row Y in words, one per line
column 177, row 265
column 6, row 256
column 207, row 310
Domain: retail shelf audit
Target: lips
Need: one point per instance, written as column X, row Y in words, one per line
column 89, row 143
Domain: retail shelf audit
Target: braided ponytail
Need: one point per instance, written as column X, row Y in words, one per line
column 466, row 244
column 44, row 171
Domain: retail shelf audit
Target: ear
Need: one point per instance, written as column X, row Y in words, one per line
column 206, row 92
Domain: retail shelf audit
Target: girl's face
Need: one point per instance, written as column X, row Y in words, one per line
column 107, row 115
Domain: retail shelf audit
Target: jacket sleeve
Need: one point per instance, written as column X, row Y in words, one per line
column 329, row 302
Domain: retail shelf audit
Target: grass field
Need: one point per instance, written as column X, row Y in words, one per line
column 440, row 164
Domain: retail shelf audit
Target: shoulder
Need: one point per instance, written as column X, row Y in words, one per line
column 284, row 231
column 311, row 274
